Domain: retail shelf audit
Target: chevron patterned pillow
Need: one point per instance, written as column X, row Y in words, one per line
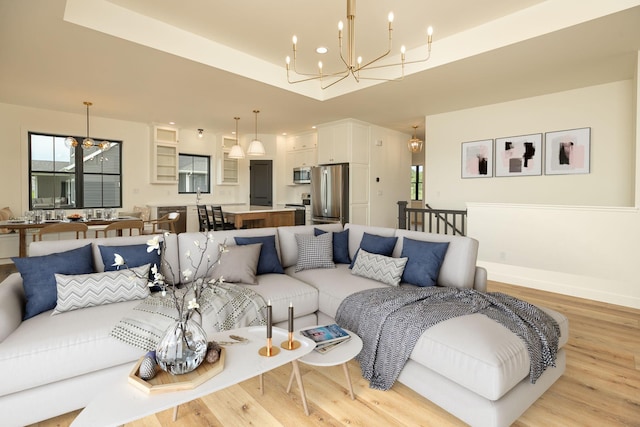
column 382, row 268
column 88, row 290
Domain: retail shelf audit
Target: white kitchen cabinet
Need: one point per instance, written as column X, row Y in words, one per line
column 302, row 141
column 333, row 144
column 164, row 156
column 345, row 141
column 305, row 157
column 227, row 168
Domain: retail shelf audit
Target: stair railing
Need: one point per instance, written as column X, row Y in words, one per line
column 442, row 221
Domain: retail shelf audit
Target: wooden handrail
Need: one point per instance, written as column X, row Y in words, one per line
column 444, row 221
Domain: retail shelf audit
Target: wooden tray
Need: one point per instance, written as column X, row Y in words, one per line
column 165, row 382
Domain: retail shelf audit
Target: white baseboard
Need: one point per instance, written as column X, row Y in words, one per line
column 567, row 284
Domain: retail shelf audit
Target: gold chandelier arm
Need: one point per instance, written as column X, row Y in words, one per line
column 337, row 81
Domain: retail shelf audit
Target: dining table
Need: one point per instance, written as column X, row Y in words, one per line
column 21, row 227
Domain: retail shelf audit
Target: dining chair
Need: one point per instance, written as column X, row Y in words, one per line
column 119, row 226
column 203, row 218
column 158, row 225
column 219, row 222
column 63, row 227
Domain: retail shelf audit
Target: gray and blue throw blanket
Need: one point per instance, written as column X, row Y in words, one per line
column 391, row 320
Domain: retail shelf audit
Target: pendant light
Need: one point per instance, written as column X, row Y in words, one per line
column 87, row 142
column 236, row 151
column 256, row 148
column 415, row 144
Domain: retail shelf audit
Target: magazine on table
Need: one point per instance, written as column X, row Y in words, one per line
column 323, row 335
column 323, row 348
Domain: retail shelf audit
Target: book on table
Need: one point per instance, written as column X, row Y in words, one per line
column 325, row 335
column 323, row 348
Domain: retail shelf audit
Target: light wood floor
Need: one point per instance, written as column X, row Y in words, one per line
column 601, row 386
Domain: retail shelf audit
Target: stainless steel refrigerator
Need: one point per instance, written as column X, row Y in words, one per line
column 330, row 194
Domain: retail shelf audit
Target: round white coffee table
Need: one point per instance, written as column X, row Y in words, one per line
column 339, row 355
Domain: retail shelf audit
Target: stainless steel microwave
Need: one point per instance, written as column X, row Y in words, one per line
column 302, row 175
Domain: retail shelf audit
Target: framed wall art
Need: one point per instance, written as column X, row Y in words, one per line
column 567, row 152
column 477, row 159
column 519, row 155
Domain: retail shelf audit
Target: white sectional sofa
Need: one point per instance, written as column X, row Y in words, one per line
column 471, row 366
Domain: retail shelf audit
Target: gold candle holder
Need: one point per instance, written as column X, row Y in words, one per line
column 290, row 344
column 268, row 350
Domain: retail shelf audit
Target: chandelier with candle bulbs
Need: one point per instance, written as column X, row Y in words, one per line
column 353, row 64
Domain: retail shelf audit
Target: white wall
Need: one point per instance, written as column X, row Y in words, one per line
column 389, row 175
column 607, row 109
column 572, row 234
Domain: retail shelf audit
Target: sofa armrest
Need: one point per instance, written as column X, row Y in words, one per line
column 12, row 303
column 480, row 279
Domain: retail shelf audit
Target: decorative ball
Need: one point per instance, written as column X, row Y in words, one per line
column 148, row 366
column 213, row 352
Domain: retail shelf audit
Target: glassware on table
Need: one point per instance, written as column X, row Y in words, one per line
column 182, row 348
column 38, row 217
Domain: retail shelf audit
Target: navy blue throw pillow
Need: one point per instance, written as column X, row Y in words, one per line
column 39, row 280
column 134, row 256
column 268, row 261
column 375, row 244
column 340, row 245
column 425, row 260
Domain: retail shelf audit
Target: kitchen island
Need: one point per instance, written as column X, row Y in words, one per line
column 250, row 216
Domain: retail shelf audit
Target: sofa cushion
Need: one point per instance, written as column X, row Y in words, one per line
column 170, row 266
column 283, row 290
column 382, row 268
column 459, row 265
column 314, row 251
column 356, row 234
column 89, row 290
column 45, row 349
column 288, row 244
column 375, row 244
column 38, row 276
column 239, row 264
column 269, row 261
column 425, row 260
column 340, row 245
column 134, row 256
column 333, row 285
column 479, row 353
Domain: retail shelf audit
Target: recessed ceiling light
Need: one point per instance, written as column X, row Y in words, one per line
column 322, row 50
column 172, row 123
column 284, row 134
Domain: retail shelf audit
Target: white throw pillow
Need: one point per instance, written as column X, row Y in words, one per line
column 314, row 251
column 382, row 268
column 88, row 290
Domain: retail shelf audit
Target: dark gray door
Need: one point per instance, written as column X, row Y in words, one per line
column 261, row 177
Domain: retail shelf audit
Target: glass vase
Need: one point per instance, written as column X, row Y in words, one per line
column 182, row 348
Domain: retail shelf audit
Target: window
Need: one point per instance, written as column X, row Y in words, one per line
column 417, row 178
column 194, row 173
column 62, row 177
